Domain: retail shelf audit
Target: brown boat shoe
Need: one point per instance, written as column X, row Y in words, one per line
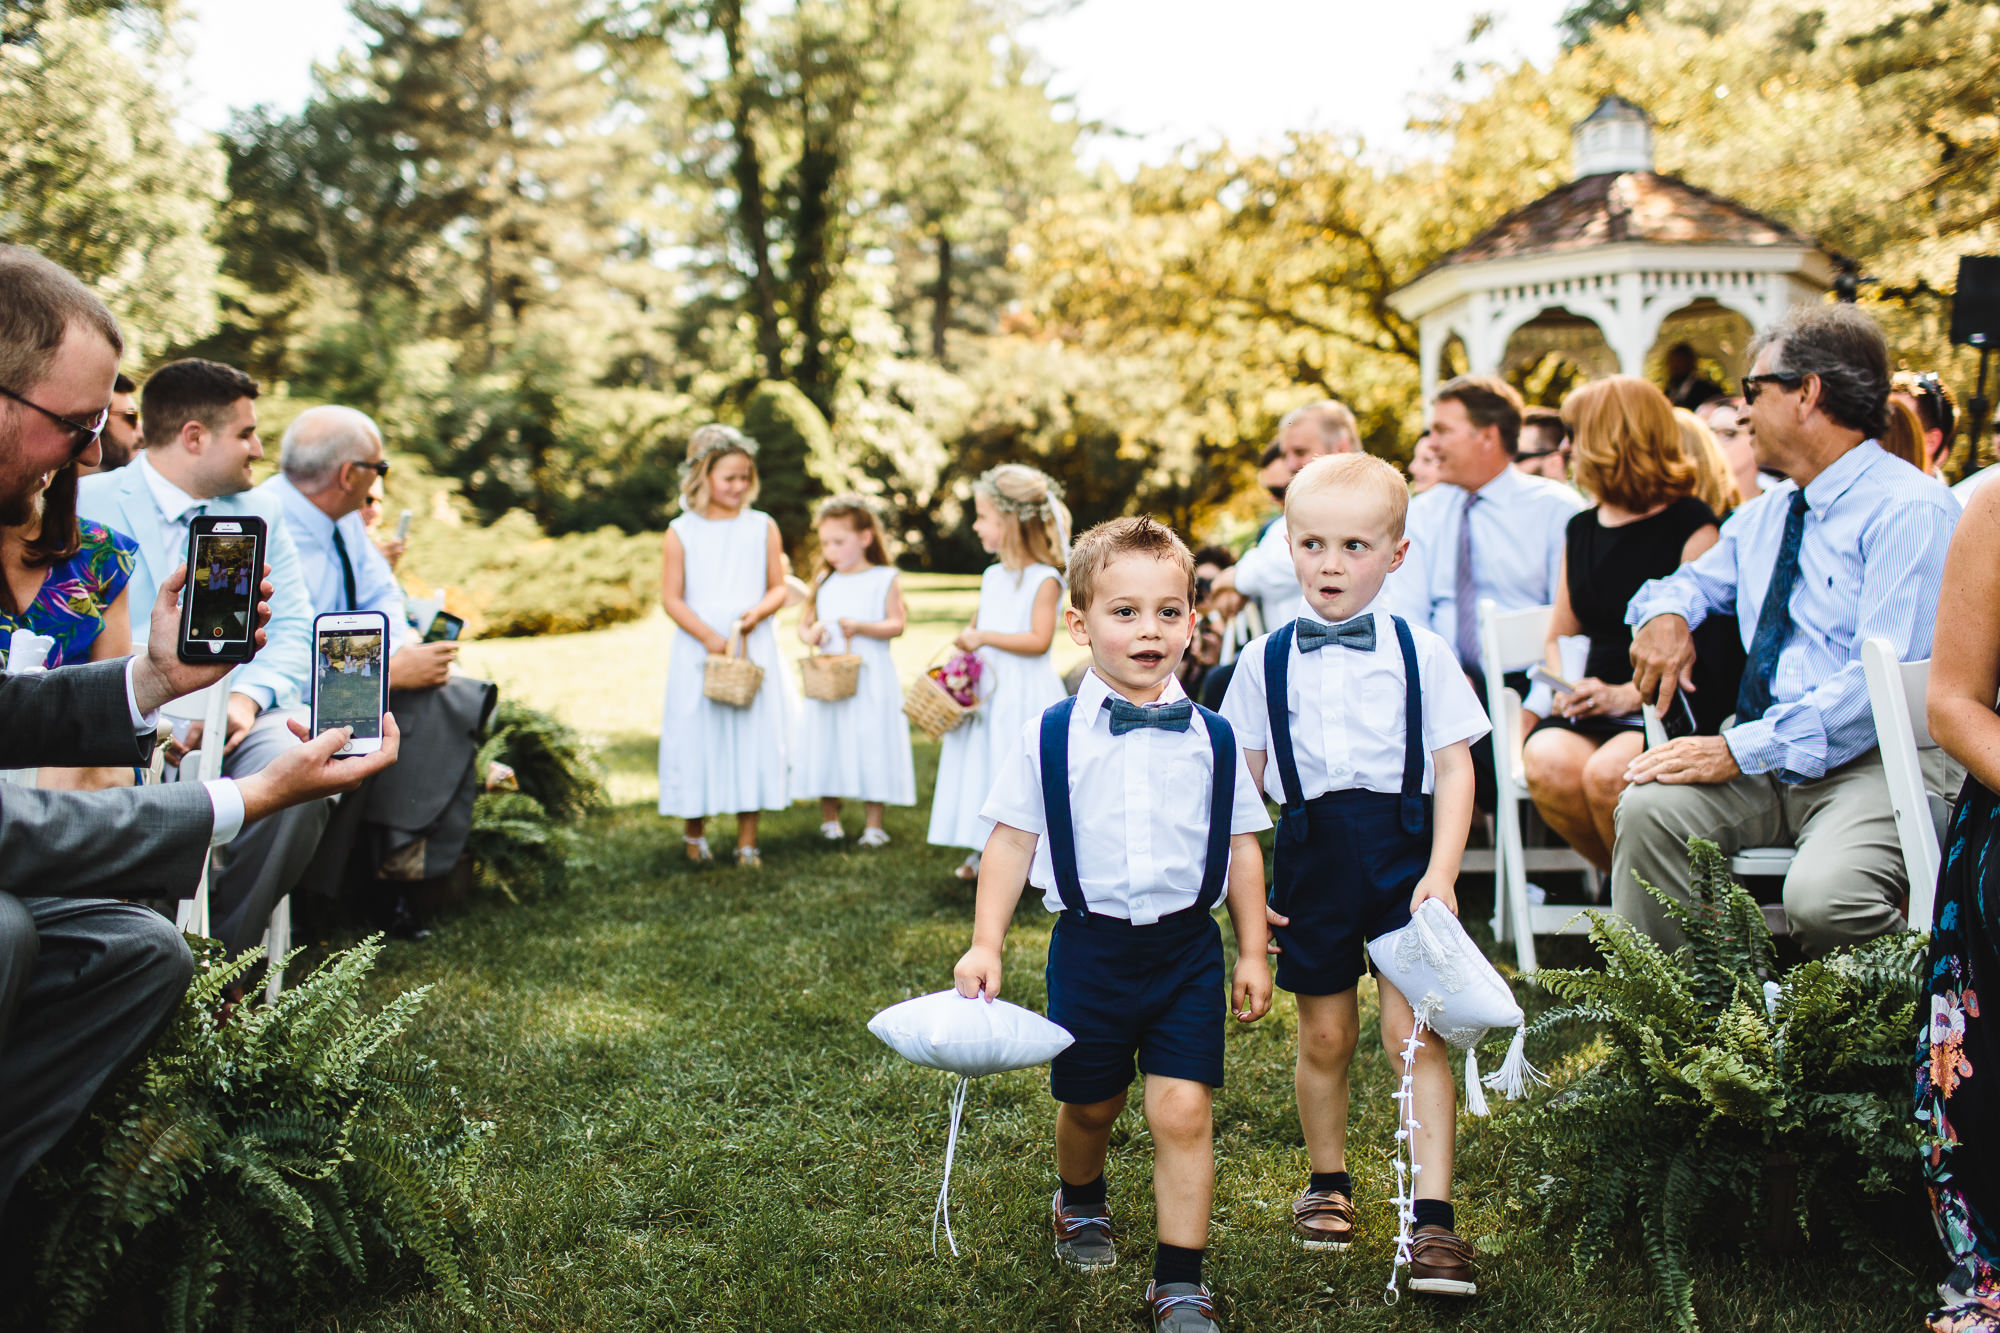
column 1441, row 1263
column 1180, row 1307
column 1323, row 1220
column 1083, row 1239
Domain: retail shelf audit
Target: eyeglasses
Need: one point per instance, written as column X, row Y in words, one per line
column 86, row 432
column 1541, row 453
column 1753, row 384
column 129, row 418
column 379, row 469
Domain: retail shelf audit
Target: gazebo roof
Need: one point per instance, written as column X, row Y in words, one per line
column 1615, row 207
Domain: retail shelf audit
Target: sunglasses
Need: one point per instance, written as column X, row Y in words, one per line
column 379, row 469
column 1754, row 384
column 85, row 433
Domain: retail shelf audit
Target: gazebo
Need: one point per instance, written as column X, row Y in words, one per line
column 1604, row 270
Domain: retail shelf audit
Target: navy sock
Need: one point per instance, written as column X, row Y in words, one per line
column 1435, row 1213
column 1084, row 1198
column 1173, row 1263
column 1338, row 1181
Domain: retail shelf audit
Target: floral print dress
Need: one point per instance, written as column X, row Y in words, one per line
column 78, row 591
column 1957, row 1056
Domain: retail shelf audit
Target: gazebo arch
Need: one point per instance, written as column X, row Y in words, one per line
column 1619, row 246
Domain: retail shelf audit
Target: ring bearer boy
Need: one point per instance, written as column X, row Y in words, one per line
column 1131, row 809
column 1370, row 721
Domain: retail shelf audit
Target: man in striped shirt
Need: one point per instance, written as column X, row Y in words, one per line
column 1852, row 547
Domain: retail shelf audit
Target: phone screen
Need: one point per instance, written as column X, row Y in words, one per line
column 445, row 628
column 1679, row 718
column 222, row 587
column 348, row 692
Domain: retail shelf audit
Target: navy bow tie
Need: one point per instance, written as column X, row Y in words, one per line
column 1358, row 634
column 1128, row 716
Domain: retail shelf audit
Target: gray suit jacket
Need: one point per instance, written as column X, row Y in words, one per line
column 145, row 842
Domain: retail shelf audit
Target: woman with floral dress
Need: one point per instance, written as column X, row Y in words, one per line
column 66, row 580
column 1958, row 1055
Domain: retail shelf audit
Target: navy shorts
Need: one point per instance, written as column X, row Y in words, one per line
column 1345, row 870
column 1123, row 990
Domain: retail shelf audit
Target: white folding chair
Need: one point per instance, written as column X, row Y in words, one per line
column 1750, row 862
column 1896, row 693
column 1511, row 642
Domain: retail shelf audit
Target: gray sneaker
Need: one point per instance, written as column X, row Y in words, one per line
column 1082, row 1240
column 1180, row 1307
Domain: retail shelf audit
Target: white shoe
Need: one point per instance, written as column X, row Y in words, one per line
column 832, row 831
column 874, row 837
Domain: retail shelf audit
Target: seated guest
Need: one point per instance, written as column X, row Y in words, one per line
column 386, row 541
column 1646, row 524
column 120, row 439
column 1423, row 465
column 1265, row 572
column 1544, row 450
column 1728, row 420
column 66, row 580
column 87, row 979
column 1714, row 480
column 200, row 420
column 1209, row 648
column 1904, row 437
column 1851, row 547
column 413, row 820
column 1686, row 385
column 1937, row 414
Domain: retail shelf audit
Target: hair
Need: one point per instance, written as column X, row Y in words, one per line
column 123, row 384
column 1488, row 400
column 1335, row 421
column 1357, row 472
column 1269, row 456
column 39, row 303
column 320, row 440
column 190, row 390
column 1843, row 347
column 1219, row 556
column 1625, row 444
column 1904, row 437
column 1096, row 549
column 1035, row 526
column 855, row 511
column 1937, row 405
column 1714, row 484
column 61, row 536
column 1549, row 423
column 706, row 447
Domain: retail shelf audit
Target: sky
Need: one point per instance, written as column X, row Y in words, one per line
column 1164, row 71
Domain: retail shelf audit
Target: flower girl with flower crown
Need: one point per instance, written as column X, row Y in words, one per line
column 1019, row 517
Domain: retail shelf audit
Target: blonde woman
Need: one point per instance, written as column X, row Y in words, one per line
column 1714, row 483
column 1625, row 444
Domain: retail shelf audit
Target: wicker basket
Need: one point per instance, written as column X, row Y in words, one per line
column 729, row 677
column 927, row 704
column 830, row 677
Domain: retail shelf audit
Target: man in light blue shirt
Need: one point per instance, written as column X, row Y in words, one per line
column 200, row 424
column 1852, row 547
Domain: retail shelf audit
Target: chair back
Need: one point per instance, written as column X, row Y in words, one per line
column 1896, row 696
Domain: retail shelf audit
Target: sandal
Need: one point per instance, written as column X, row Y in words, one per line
column 832, row 831
column 748, row 858
column 873, row 837
column 698, row 853
column 969, row 872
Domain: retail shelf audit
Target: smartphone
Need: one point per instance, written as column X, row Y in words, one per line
column 445, row 628
column 225, row 561
column 351, row 677
column 403, row 526
column 1678, row 720
column 1538, row 672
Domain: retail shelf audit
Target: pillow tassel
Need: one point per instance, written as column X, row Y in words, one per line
column 1475, row 1096
column 1515, row 1073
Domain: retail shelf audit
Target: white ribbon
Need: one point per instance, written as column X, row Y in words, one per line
column 941, row 1215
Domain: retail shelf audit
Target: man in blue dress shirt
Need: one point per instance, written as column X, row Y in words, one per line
column 1852, row 547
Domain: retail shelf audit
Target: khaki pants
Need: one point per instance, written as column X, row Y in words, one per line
column 1846, row 883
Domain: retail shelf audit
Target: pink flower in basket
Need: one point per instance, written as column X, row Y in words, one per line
column 960, row 678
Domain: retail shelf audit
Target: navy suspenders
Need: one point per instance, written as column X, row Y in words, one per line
column 1062, row 828
column 1277, row 704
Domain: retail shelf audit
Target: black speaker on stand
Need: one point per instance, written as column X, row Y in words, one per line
column 1975, row 322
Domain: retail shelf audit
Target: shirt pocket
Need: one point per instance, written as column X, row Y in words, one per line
column 1187, row 791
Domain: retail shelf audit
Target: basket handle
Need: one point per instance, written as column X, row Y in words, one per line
column 734, row 648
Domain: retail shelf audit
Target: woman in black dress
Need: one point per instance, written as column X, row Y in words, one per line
column 1628, row 454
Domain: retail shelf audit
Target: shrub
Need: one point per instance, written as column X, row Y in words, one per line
column 521, row 842
column 250, row 1167
column 1708, row 1079
column 508, row 579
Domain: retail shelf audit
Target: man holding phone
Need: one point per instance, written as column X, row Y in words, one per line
column 200, row 422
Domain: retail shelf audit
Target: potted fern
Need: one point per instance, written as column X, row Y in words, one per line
column 1720, row 1090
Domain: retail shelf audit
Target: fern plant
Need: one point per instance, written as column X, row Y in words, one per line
column 250, row 1167
column 1706, row 1075
column 521, row 842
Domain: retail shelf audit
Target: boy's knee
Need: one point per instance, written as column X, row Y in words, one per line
column 1328, row 1047
column 1096, row 1116
column 1180, row 1111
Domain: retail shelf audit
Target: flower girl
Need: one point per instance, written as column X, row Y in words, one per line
column 1018, row 517
column 723, row 575
column 857, row 748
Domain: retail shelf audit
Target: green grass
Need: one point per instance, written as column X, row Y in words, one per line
column 696, row 1130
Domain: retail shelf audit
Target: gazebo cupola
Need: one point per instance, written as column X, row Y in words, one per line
column 1611, row 266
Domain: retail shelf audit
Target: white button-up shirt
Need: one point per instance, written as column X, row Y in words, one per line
column 1266, row 572
column 375, row 586
column 1347, row 710
column 1139, row 804
column 1871, row 559
column 1518, row 536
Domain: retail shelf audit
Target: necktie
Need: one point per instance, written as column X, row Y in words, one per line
column 182, row 526
column 346, row 568
column 1358, row 634
column 1774, row 621
column 1467, row 595
column 1128, row 716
